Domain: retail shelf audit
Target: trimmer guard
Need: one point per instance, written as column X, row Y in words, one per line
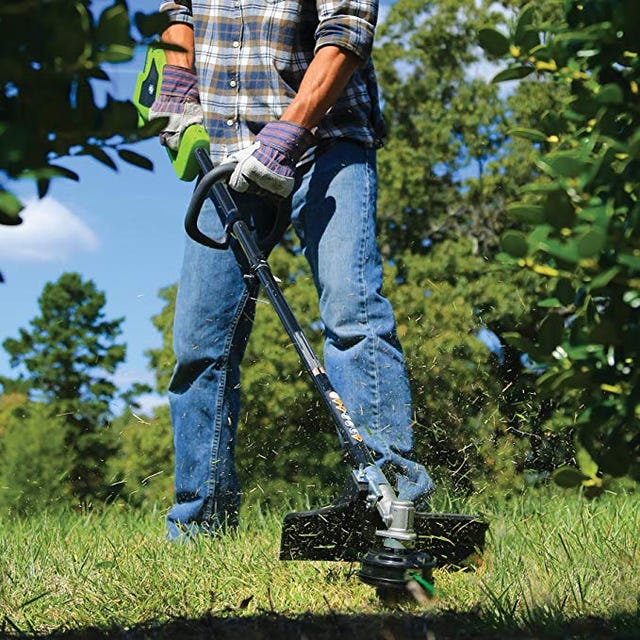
column 346, row 531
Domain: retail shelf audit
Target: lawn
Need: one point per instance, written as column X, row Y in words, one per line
column 555, row 565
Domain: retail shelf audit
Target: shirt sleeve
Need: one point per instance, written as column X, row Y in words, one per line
column 348, row 24
column 178, row 11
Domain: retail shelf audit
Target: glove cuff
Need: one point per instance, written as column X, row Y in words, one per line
column 290, row 139
column 179, row 82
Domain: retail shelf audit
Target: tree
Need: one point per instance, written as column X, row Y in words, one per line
column 162, row 360
column 34, row 461
column 442, row 124
column 583, row 216
column 52, row 54
column 448, row 172
column 450, row 165
column 68, row 354
column 142, row 469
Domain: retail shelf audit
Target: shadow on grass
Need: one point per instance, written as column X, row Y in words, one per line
column 388, row 626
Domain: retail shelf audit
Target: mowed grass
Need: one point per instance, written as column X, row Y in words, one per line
column 554, row 561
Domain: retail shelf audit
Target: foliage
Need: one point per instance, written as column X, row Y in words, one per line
column 162, row 359
column 52, row 59
column 441, row 122
column 478, row 421
column 68, row 354
column 34, row 461
column 142, row 468
column 449, row 166
column 583, row 219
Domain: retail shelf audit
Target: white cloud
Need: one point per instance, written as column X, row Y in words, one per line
column 49, row 233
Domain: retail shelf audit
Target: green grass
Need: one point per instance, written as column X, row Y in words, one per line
column 553, row 562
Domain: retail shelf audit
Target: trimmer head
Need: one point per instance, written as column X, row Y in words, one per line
column 389, row 571
column 347, row 531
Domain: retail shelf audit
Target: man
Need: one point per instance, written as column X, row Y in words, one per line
column 287, row 89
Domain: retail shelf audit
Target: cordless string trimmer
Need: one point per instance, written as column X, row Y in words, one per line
column 395, row 545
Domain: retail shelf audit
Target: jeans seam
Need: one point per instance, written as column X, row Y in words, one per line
column 217, row 425
column 363, row 288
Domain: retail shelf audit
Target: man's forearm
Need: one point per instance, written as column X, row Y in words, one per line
column 182, row 35
column 324, row 81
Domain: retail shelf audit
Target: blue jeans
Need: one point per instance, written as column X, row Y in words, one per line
column 333, row 212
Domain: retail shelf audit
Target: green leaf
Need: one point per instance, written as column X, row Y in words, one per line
column 610, row 94
column 633, row 262
column 529, row 213
column 528, row 134
column 591, row 242
column 151, row 24
column 604, row 278
column 514, row 243
column 560, row 210
column 10, row 207
column 136, row 159
column 117, row 53
column 100, row 155
column 564, row 163
column 51, row 171
column 525, row 35
column 634, row 144
column 43, row 187
column 513, row 73
column 569, row 477
column 567, row 251
column 69, row 34
column 565, row 292
column 550, row 303
column 113, row 26
column 551, row 332
column 555, row 379
column 493, row 42
column 586, row 463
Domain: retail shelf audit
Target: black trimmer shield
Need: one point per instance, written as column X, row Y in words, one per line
column 346, row 531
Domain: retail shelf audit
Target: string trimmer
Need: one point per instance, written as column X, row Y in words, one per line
column 396, row 546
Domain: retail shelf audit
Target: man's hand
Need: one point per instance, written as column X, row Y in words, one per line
column 270, row 162
column 179, row 101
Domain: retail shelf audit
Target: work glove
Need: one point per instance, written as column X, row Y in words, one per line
column 179, row 101
column 270, row 162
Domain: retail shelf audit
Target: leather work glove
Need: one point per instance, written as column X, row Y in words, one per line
column 270, row 162
column 178, row 100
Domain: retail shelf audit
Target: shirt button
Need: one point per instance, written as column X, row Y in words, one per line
column 232, row 83
column 230, row 122
column 236, row 44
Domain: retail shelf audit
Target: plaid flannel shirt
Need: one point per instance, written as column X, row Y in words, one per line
column 251, row 56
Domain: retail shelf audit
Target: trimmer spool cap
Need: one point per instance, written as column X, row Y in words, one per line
column 392, row 569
